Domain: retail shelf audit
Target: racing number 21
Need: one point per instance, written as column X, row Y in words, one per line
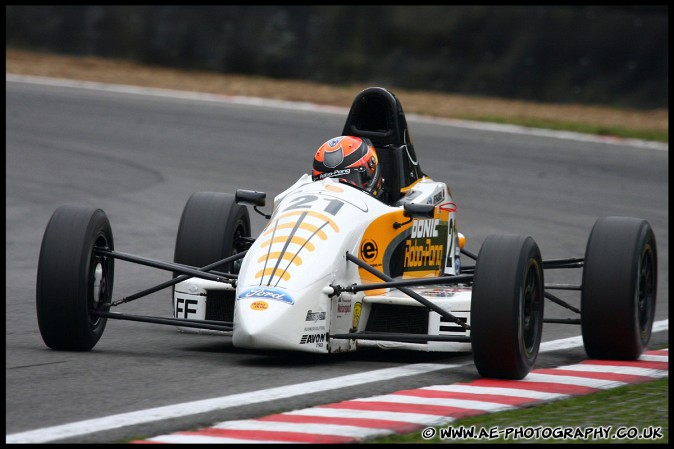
column 304, row 201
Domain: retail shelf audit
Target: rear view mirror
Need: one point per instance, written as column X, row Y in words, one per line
column 419, row 210
column 250, row 197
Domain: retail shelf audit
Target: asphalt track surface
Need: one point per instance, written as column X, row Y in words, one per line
column 140, row 157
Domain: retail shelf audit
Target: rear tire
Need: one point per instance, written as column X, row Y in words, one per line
column 71, row 280
column 507, row 306
column 619, row 289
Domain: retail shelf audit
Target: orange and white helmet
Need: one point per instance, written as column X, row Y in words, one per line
column 350, row 159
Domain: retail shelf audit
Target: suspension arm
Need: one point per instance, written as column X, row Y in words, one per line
column 168, row 266
column 199, row 324
column 563, row 263
column 411, row 293
column 179, row 279
column 442, row 280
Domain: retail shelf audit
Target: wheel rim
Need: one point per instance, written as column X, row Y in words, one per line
column 531, row 306
column 645, row 292
column 98, row 295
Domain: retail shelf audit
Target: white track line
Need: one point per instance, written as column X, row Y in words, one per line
column 208, row 405
column 648, row 372
column 574, row 342
column 312, row 107
column 89, row 426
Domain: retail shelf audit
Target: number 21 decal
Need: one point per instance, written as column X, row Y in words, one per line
column 305, row 201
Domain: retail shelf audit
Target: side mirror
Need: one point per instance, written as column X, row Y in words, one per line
column 412, row 211
column 419, row 210
column 250, row 198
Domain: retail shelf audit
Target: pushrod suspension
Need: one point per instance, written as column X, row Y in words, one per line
column 442, row 280
column 573, row 262
column 469, row 254
column 419, row 338
column 560, row 302
column 407, row 291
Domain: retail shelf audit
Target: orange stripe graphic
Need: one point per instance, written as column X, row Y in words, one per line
column 311, row 213
column 286, row 256
column 306, row 226
column 270, row 271
column 296, row 240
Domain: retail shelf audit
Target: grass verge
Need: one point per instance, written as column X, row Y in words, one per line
column 583, row 128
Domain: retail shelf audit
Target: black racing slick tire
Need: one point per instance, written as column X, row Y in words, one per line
column 211, row 228
column 619, row 288
column 507, row 306
column 72, row 280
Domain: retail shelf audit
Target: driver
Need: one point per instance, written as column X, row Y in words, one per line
column 350, row 159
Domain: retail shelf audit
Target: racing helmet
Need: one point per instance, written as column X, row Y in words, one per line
column 350, row 159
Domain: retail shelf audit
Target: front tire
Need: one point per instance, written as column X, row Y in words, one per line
column 619, row 289
column 211, row 228
column 507, row 306
column 72, row 281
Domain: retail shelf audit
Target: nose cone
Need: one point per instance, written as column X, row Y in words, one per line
column 257, row 323
column 271, row 318
column 264, row 317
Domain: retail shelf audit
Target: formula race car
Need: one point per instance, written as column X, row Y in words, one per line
column 340, row 266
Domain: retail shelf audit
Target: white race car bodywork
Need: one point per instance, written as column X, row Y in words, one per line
column 284, row 300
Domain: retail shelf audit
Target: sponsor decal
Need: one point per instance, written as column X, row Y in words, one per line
column 335, row 173
column 312, row 338
column 357, row 308
column 423, row 254
column 438, row 197
column 314, row 328
column 425, row 248
column 333, row 142
column 369, row 250
column 267, row 293
column 425, row 228
column 343, row 308
column 259, row 305
column 315, row 316
column 439, row 293
column 443, row 292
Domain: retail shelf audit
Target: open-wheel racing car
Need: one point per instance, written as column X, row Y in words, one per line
column 340, row 267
